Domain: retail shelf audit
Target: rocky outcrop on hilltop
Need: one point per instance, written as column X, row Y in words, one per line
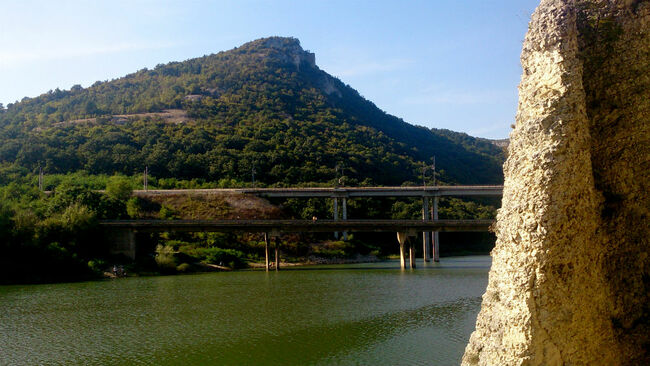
column 287, row 50
column 570, row 279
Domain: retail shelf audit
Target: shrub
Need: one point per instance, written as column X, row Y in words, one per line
column 183, row 267
column 334, row 249
column 226, row 257
column 104, row 206
column 138, row 208
column 6, row 225
column 74, row 230
column 166, row 213
column 134, row 208
column 78, row 217
column 165, row 258
column 229, row 257
column 119, row 188
column 97, row 266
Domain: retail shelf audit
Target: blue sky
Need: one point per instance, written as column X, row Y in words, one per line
column 444, row 64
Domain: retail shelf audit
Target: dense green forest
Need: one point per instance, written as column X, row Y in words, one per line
column 262, row 109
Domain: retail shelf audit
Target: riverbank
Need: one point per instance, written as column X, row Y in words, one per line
column 314, row 260
column 197, row 268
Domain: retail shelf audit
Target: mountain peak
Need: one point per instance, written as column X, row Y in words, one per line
column 286, row 49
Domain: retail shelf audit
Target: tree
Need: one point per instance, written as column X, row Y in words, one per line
column 90, row 108
column 119, row 188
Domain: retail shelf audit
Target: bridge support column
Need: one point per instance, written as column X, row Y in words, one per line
column 266, row 251
column 345, row 216
column 277, row 253
column 336, row 215
column 412, row 255
column 122, row 241
column 402, row 238
column 436, row 240
column 426, row 236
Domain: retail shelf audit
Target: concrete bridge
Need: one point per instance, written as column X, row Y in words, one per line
column 430, row 225
column 266, row 226
column 339, row 192
column 340, row 195
column 123, row 231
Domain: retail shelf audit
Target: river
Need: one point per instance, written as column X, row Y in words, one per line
column 361, row 314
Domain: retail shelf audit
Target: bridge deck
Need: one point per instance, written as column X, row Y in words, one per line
column 341, row 191
column 300, row 225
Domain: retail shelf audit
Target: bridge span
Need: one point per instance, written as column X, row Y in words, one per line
column 339, row 192
column 265, row 226
column 124, row 230
column 430, row 196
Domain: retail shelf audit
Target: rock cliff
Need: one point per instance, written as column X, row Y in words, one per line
column 570, row 279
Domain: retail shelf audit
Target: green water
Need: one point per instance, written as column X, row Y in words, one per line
column 362, row 314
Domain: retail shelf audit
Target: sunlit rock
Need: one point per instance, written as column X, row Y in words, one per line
column 570, row 280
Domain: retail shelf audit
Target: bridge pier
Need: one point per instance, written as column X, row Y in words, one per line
column 401, row 238
column 336, row 215
column 122, row 241
column 277, row 253
column 436, row 238
column 412, row 255
column 266, row 251
column 345, row 216
column 426, row 236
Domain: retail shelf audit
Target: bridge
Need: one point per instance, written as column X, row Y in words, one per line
column 277, row 226
column 339, row 192
column 430, row 225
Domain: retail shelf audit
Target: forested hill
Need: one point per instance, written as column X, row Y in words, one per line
column 264, row 105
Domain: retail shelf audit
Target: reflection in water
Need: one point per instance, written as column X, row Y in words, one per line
column 357, row 314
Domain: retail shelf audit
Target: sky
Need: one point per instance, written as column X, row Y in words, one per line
column 437, row 63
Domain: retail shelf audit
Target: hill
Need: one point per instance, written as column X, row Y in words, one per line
column 264, row 106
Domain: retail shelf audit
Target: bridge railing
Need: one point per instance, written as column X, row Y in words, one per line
column 330, row 192
column 300, row 225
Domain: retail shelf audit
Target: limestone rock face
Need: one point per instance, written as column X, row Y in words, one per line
column 570, row 278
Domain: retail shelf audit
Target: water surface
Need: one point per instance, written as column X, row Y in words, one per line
column 361, row 314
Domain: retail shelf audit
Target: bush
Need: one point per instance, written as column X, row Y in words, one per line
column 119, row 188
column 78, row 217
column 6, row 225
column 166, row 213
column 334, row 249
column 97, row 266
column 165, row 259
column 139, row 208
column 183, row 267
column 230, row 257
column 226, row 257
column 74, row 230
column 134, row 207
column 104, row 206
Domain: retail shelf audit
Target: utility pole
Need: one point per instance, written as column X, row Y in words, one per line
column 337, row 168
column 40, row 178
column 146, row 177
column 253, row 175
column 424, row 175
column 435, row 247
column 433, row 167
